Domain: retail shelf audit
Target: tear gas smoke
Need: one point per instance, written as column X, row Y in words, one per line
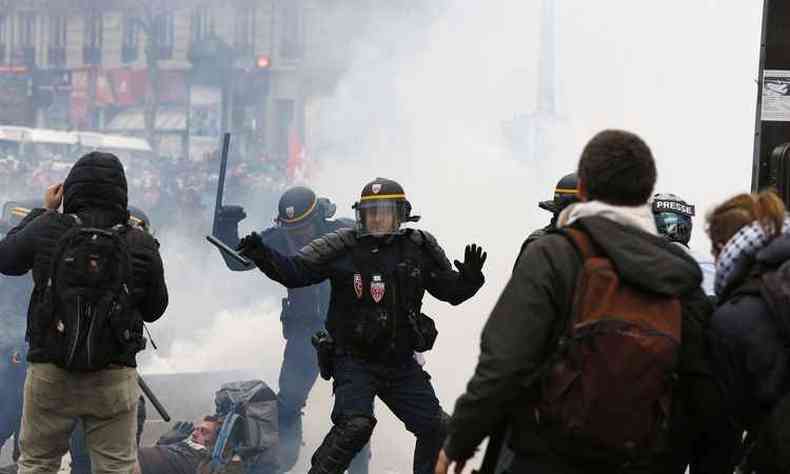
column 422, row 98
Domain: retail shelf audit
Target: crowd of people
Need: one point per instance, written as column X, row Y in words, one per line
column 612, row 348
column 163, row 186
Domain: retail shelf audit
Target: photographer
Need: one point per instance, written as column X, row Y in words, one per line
column 96, row 280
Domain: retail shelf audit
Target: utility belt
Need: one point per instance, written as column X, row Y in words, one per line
column 422, row 336
column 378, row 330
column 328, row 351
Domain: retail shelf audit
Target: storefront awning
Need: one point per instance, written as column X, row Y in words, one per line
column 113, row 142
column 41, row 135
column 37, row 135
column 133, row 120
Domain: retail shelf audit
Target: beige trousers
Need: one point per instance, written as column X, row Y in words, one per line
column 105, row 401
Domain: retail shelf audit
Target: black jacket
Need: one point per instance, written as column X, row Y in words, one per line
column 305, row 307
column 530, row 314
column 352, row 265
column 95, row 190
column 753, row 360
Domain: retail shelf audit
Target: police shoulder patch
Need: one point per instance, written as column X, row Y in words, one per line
column 428, row 242
column 329, row 246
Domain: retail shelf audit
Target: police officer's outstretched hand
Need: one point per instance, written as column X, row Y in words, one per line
column 252, row 246
column 472, row 268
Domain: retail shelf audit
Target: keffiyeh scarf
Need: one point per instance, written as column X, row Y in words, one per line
column 741, row 247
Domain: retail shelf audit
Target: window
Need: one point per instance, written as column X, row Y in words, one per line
column 202, row 24
column 57, row 31
column 290, row 40
column 25, row 48
column 94, row 27
column 164, row 35
column 130, row 45
column 93, row 38
column 3, row 36
column 26, row 33
column 57, row 40
column 244, row 39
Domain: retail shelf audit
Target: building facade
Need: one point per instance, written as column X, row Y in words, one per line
column 184, row 69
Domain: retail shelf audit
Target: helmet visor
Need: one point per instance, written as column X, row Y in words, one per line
column 674, row 226
column 378, row 218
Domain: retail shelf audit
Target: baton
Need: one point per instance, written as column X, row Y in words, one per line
column 228, row 251
column 150, row 396
column 223, row 165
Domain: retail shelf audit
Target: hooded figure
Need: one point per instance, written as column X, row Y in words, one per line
column 104, row 398
column 96, row 186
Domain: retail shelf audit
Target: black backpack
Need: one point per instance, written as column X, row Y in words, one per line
column 87, row 300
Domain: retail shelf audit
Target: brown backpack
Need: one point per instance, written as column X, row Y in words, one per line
column 606, row 393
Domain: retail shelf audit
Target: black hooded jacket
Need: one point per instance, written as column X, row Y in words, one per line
column 522, row 330
column 95, row 190
column 754, row 359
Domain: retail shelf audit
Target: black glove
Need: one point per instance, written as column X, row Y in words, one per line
column 231, row 214
column 472, row 268
column 252, row 246
column 180, row 431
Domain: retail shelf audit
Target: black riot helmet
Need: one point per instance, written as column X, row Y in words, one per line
column 300, row 206
column 565, row 194
column 382, row 208
column 138, row 218
column 673, row 217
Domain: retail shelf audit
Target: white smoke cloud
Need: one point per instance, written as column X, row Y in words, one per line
column 423, row 102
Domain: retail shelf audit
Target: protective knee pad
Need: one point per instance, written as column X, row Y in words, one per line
column 343, row 442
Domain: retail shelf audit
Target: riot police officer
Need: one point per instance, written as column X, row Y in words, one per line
column 14, row 293
column 301, row 217
column 565, row 194
column 14, row 296
column 379, row 273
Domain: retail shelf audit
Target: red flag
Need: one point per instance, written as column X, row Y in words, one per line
column 296, row 164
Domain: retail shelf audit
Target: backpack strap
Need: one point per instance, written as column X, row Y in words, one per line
column 582, row 242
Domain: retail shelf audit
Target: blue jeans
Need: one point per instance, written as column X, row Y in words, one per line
column 13, row 368
column 297, row 377
column 78, row 449
column 406, row 389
